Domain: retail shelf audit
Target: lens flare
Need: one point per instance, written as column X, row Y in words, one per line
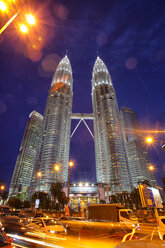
column 149, row 140
column 151, row 167
column 30, row 19
column 3, row 6
column 23, row 28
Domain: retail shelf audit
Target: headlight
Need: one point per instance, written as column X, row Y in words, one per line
column 52, row 231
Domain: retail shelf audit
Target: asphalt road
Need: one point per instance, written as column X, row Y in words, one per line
column 93, row 235
column 70, row 241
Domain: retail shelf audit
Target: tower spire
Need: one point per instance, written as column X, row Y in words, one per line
column 100, row 74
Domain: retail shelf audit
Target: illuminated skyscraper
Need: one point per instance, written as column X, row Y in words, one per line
column 111, row 165
column 27, row 157
column 137, row 156
column 56, row 127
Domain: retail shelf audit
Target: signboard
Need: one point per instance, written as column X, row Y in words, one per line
column 157, row 198
column 147, row 197
column 37, row 203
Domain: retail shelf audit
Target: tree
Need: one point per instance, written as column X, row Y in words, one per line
column 145, row 182
column 129, row 200
column 135, row 198
column 113, row 199
column 4, row 195
column 58, row 196
column 102, row 201
column 26, row 204
column 44, row 200
column 14, row 202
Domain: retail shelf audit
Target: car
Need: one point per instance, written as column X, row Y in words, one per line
column 12, row 224
column 5, row 241
column 46, row 225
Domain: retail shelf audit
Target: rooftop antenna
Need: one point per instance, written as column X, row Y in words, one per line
column 97, row 53
column 66, row 52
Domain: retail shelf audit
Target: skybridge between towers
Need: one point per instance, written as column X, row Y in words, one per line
column 82, row 117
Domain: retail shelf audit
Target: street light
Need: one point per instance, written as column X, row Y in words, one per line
column 3, row 6
column 71, row 164
column 2, row 187
column 30, row 19
column 151, row 167
column 23, row 28
column 39, row 175
column 56, row 169
column 149, row 140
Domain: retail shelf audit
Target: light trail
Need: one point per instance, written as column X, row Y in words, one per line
column 21, row 246
column 44, row 235
column 34, row 241
column 8, row 23
column 143, row 131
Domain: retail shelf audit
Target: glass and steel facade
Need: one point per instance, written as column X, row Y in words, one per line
column 137, row 156
column 111, row 164
column 56, row 128
column 83, row 194
column 27, row 157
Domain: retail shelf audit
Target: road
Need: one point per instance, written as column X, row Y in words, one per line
column 70, row 241
column 101, row 235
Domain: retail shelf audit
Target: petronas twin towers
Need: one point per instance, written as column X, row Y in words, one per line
column 111, row 166
column 112, row 162
column 56, row 126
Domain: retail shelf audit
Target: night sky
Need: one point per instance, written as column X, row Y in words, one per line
column 127, row 35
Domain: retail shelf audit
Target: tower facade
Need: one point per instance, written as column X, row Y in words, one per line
column 111, row 165
column 137, row 156
column 56, row 127
column 27, row 157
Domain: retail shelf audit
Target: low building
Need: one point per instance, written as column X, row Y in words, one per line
column 83, row 194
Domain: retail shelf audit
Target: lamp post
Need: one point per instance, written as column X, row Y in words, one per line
column 39, row 175
column 69, row 168
column 56, row 169
column 37, row 201
column 2, row 187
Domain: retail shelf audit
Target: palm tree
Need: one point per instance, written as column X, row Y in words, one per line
column 145, row 182
column 135, row 197
column 58, row 196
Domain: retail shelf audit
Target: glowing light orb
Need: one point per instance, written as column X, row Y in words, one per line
column 23, row 28
column 3, row 6
column 39, row 174
column 56, row 167
column 30, row 19
column 70, row 163
column 2, row 187
column 151, row 167
column 149, row 139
